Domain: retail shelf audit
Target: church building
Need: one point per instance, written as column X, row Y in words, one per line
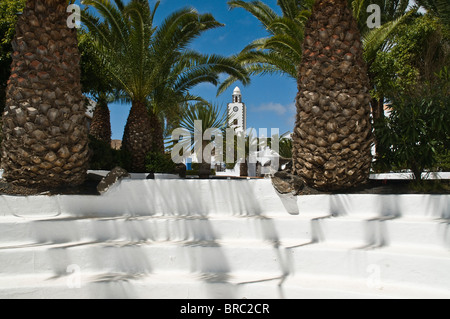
column 237, row 112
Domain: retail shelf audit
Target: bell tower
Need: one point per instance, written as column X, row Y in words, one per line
column 237, row 112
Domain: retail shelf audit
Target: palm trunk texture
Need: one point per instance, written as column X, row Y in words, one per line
column 137, row 138
column 333, row 134
column 101, row 122
column 45, row 141
column 157, row 133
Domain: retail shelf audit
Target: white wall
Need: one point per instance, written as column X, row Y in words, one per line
column 210, row 197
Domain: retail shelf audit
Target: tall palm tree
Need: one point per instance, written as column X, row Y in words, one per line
column 281, row 50
column 101, row 119
column 332, row 138
column 209, row 117
column 142, row 59
column 190, row 69
column 123, row 41
column 97, row 83
column 44, row 130
column 394, row 13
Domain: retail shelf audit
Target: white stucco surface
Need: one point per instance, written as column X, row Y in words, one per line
column 223, row 239
column 403, row 176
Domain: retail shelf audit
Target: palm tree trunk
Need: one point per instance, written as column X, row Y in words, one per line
column 137, row 136
column 333, row 133
column 101, row 122
column 45, row 140
column 157, row 133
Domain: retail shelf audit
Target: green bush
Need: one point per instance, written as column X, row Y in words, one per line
column 415, row 136
column 103, row 157
column 443, row 161
column 160, row 163
column 230, row 165
column 195, row 170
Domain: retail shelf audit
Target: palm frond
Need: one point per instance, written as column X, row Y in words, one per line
column 281, row 50
column 258, row 9
column 112, row 14
column 375, row 39
column 438, row 8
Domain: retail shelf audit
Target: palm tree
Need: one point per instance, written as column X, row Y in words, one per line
column 45, row 140
column 289, row 44
column 101, row 119
column 123, row 41
column 436, row 56
column 332, row 138
column 146, row 61
column 197, row 119
column 9, row 10
column 97, row 83
column 394, row 13
column 281, row 51
column 438, row 8
column 190, row 69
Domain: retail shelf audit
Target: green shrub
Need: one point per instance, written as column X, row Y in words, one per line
column 160, row 163
column 195, row 167
column 103, row 157
column 230, row 165
column 443, row 161
column 195, row 170
column 415, row 135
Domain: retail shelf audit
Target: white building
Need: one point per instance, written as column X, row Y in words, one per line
column 90, row 108
column 237, row 112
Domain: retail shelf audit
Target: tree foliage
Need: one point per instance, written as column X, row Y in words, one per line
column 281, row 51
column 208, row 116
column 95, row 79
column 438, row 8
column 9, row 10
column 103, row 157
column 419, row 49
column 160, row 163
column 413, row 76
column 143, row 57
column 154, row 63
column 415, row 135
column 199, row 119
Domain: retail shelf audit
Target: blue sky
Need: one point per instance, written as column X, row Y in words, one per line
column 269, row 99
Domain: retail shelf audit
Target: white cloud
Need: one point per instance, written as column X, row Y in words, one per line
column 277, row 108
column 222, row 38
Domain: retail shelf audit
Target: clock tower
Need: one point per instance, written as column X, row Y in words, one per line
column 237, row 112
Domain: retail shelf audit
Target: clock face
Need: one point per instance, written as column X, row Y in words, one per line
column 235, row 109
